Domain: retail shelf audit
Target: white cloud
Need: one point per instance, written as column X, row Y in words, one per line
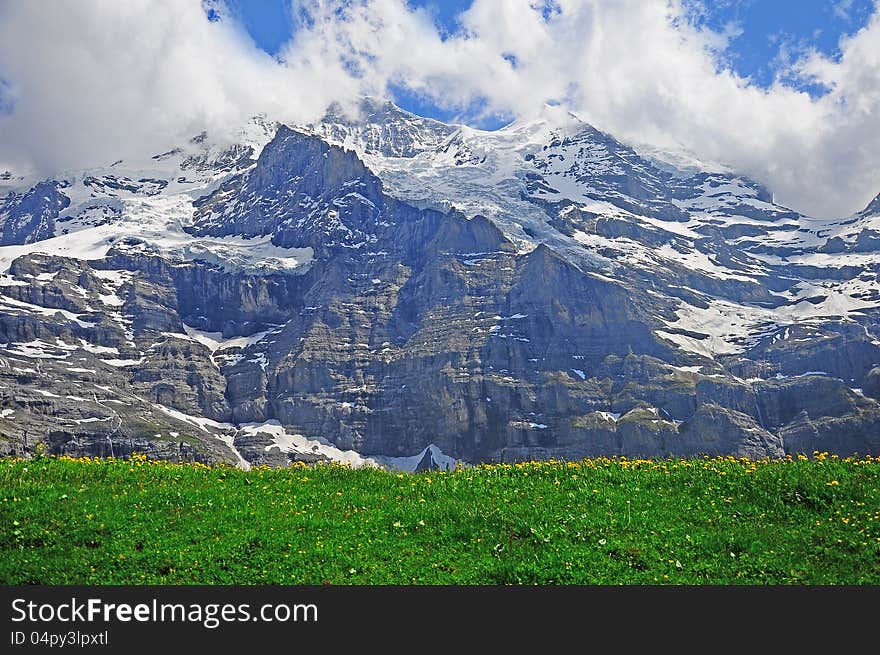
column 643, row 72
column 103, row 76
column 96, row 80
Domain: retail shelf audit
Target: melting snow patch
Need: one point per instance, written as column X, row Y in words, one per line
column 781, row 376
column 98, row 350
column 579, row 373
column 211, row 340
column 123, row 362
column 224, row 430
column 261, row 360
column 115, row 278
column 229, row 440
column 43, row 311
column 199, row 421
column 111, row 299
column 297, row 443
column 249, row 255
column 409, row 464
column 40, row 350
column 214, row 341
column 6, row 281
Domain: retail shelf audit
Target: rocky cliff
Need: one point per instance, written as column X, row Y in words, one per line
column 392, row 287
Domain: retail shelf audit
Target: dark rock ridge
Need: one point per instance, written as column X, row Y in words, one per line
column 30, row 217
column 302, row 191
column 873, row 207
column 391, row 132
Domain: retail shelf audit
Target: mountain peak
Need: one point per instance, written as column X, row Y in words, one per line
column 365, row 109
column 872, row 208
column 379, row 127
column 549, row 118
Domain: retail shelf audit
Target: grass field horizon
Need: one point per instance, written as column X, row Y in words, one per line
column 599, row 521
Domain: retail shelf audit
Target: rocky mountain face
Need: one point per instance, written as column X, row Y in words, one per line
column 388, row 289
column 30, row 217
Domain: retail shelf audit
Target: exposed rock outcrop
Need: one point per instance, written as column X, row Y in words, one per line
column 651, row 314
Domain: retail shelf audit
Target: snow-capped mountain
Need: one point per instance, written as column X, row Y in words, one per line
column 385, row 288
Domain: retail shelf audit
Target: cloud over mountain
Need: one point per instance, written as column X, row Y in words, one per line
column 102, row 79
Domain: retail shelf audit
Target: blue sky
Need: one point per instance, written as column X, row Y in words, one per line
column 772, row 28
column 765, row 35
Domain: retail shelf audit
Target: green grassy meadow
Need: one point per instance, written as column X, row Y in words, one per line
column 601, row 521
